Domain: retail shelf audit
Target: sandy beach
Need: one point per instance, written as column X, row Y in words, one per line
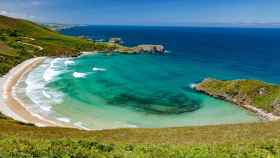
column 11, row 106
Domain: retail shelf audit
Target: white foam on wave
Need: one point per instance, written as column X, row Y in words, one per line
column 46, row 108
column 98, row 69
column 51, row 71
column 64, row 119
column 79, row 75
column 42, row 98
column 32, row 91
column 69, row 62
column 56, row 96
column 46, row 94
column 167, row 51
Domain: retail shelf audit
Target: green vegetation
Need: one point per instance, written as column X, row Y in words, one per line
column 257, row 93
column 244, row 140
column 20, row 40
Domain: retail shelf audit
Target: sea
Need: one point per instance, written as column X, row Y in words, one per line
column 106, row 91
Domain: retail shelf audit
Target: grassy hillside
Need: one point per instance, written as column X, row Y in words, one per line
column 244, row 140
column 21, row 39
column 257, row 93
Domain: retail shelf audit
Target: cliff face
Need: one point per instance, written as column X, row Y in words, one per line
column 253, row 93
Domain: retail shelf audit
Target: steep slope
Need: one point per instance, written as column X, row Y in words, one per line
column 22, row 39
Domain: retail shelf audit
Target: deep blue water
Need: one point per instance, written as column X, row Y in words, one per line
column 250, row 53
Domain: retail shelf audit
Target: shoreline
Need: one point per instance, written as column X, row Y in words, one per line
column 11, row 106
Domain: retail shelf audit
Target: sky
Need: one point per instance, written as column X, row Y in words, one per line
column 145, row 12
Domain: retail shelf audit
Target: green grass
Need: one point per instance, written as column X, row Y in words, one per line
column 15, row 31
column 257, row 93
column 6, row 50
column 243, row 140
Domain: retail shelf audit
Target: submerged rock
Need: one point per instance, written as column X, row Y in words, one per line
column 163, row 103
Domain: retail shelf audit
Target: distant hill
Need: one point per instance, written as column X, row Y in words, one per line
column 58, row 26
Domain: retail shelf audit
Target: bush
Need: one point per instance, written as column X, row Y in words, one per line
column 84, row 148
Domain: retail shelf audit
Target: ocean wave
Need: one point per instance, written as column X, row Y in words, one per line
column 52, row 71
column 64, row 119
column 167, row 51
column 40, row 97
column 98, row 69
column 69, row 62
column 46, row 108
column 46, row 94
column 79, row 75
column 56, row 96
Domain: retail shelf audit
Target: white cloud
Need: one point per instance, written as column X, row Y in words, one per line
column 3, row 12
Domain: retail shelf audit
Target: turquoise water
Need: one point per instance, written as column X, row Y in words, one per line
column 117, row 91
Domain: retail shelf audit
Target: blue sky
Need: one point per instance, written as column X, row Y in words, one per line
column 145, row 12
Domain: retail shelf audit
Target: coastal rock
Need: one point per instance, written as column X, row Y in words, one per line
column 144, row 48
column 150, row 48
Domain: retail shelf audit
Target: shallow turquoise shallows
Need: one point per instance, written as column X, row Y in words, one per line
column 119, row 91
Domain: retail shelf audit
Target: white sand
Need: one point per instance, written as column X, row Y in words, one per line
column 11, row 106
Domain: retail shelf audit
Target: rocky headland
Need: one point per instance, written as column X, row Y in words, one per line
column 257, row 96
column 144, row 48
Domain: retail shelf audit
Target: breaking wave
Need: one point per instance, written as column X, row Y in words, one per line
column 64, row 119
column 52, row 70
column 79, row 75
column 69, row 62
column 98, row 69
